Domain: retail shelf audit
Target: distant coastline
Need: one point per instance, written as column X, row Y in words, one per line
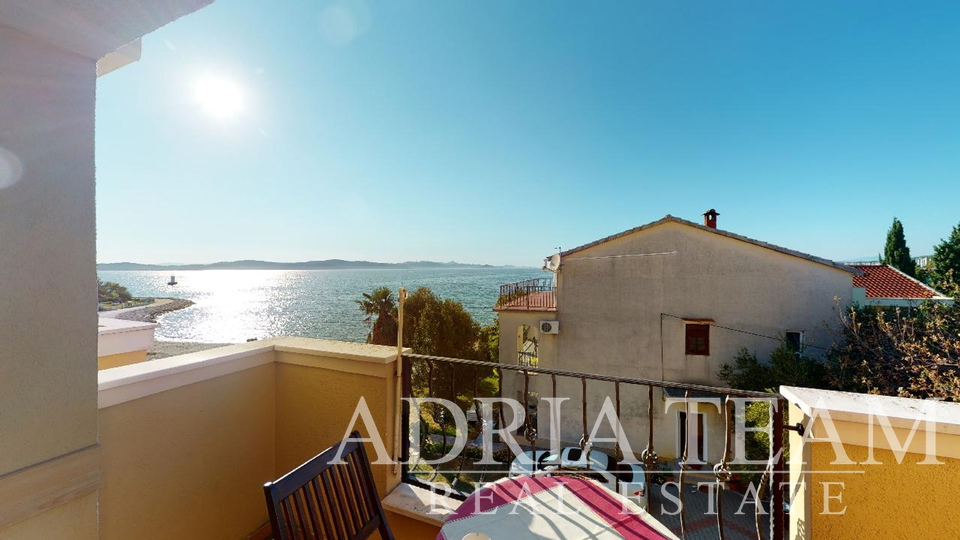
column 329, row 264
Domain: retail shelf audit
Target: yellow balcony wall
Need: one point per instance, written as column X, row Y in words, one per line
column 879, row 496
column 187, row 442
column 189, row 462
column 121, row 359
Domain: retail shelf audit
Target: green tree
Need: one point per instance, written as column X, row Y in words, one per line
column 109, row 291
column 442, row 327
column 488, row 343
column 432, row 325
column 787, row 366
column 380, row 308
column 439, row 327
column 895, row 252
column 945, row 263
column 898, row 352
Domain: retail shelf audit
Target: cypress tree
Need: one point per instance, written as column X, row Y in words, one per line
column 946, row 259
column 896, row 253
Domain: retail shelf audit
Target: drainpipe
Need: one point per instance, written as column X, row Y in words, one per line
column 397, row 425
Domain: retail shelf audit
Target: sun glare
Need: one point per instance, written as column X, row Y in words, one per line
column 218, row 97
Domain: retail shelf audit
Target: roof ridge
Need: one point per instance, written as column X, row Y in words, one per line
column 733, row 236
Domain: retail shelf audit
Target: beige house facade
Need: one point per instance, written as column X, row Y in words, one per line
column 49, row 448
column 674, row 301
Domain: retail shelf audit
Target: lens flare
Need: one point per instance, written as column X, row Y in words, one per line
column 11, row 169
column 219, row 98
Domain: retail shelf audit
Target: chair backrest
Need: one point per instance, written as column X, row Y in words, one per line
column 320, row 499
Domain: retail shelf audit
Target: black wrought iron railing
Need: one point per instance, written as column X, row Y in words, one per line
column 531, row 294
column 527, row 359
column 464, row 381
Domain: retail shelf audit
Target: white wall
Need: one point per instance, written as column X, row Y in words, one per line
column 48, row 326
column 117, row 336
column 48, row 357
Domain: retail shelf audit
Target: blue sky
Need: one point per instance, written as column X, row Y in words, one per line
column 496, row 131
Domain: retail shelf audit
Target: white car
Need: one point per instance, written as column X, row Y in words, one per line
column 527, row 463
column 632, row 483
column 593, row 461
column 575, row 458
column 627, row 479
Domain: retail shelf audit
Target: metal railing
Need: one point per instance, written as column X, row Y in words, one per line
column 527, row 359
column 462, row 381
column 537, row 293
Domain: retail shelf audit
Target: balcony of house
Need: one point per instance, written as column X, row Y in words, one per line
column 187, row 443
column 531, row 295
column 560, row 415
column 847, row 459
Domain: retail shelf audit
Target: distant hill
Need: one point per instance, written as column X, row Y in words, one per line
column 329, row 264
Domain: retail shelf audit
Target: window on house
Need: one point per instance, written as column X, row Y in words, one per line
column 698, row 339
column 526, row 346
column 795, row 339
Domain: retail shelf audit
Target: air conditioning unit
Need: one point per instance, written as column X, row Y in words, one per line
column 549, row 327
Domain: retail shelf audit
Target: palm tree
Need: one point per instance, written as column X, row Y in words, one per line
column 380, row 308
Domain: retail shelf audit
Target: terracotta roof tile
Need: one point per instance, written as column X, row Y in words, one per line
column 884, row 281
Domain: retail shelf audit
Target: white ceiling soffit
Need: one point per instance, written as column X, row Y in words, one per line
column 93, row 28
column 127, row 54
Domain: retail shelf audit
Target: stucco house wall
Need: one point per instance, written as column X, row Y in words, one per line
column 511, row 322
column 611, row 309
column 47, row 279
column 48, row 362
column 513, row 382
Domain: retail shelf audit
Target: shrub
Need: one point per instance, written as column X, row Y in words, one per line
column 787, row 366
column 907, row 352
column 109, row 291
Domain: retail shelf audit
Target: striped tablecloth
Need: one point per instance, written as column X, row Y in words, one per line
column 542, row 507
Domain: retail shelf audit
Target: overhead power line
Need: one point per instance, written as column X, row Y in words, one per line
column 774, row 338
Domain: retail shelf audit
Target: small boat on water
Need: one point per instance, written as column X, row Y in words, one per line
column 173, row 280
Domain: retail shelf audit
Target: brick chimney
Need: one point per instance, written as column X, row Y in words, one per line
column 710, row 218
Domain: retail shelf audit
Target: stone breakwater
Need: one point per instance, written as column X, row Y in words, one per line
column 151, row 312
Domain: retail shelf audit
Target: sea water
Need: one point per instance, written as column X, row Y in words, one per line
column 232, row 306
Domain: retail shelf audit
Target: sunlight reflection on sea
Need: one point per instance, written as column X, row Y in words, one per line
column 232, row 306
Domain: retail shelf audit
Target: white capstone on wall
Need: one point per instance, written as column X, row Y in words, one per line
column 117, row 336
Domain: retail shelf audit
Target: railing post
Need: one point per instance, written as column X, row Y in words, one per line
column 407, row 374
column 773, row 477
column 777, row 520
column 398, row 424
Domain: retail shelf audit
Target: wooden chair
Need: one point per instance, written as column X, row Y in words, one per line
column 320, row 500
